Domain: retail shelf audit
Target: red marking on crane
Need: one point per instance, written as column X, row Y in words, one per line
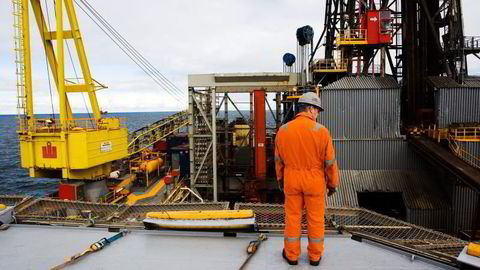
column 49, row 151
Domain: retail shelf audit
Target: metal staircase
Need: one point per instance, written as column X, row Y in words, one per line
column 150, row 134
column 19, row 62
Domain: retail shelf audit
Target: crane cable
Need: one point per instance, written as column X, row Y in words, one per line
column 174, row 92
column 128, row 45
column 134, row 53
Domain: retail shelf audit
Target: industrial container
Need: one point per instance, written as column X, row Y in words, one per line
column 72, row 191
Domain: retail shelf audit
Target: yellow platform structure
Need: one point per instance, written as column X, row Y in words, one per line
column 63, row 147
column 352, row 37
column 75, row 153
column 339, row 65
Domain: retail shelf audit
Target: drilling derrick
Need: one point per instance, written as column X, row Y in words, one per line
column 408, row 40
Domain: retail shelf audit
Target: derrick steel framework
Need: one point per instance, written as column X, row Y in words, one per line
column 428, row 40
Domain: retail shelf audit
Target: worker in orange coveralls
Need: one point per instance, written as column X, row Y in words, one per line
column 305, row 164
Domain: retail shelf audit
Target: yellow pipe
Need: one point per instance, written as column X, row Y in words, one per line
column 133, row 198
column 127, row 181
column 151, row 165
column 209, row 214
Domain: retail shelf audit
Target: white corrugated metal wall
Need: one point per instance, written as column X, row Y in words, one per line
column 363, row 117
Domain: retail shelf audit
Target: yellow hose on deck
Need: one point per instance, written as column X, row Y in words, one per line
column 127, row 181
column 133, row 198
column 2, row 206
column 209, row 214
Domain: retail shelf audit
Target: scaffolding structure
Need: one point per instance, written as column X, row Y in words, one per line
column 210, row 135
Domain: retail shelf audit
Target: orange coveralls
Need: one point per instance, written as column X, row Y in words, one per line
column 304, row 155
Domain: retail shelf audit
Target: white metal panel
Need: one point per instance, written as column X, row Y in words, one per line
column 244, row 82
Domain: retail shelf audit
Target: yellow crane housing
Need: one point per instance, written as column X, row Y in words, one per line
column 68, row 147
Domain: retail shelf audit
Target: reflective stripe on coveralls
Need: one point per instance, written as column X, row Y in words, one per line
column 305, row 159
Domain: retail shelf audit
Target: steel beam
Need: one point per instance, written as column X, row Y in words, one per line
column 214, row 144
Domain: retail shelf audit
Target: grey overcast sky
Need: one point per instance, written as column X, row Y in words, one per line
column 179, row 38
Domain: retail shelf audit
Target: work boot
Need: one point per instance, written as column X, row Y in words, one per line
column 286, row 259
column 315, row 263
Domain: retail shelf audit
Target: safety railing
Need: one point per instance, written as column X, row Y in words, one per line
column 352, row 37
column 62, row 212
column 74, row 81
column 369, row 225
column 330, row 65
column 472, row 42
column 465, row 134
column 150, row 134
column 460, row 152
column 53, row 125
column 18, row 201
column 22, row 124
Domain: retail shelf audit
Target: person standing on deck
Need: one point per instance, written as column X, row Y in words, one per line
column 305, row 164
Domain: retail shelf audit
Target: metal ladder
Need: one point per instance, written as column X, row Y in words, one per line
column 19, row 62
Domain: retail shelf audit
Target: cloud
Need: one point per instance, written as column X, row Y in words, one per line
column 178, row 37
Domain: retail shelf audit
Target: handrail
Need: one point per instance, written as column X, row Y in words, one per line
column 352, row 35
column 330, row 64
column 53, row 125
column 150, row 134
column 462, row 153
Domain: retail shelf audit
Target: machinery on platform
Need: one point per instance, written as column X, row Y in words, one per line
column 388, row 68
column 83, row 152
column 67, row 147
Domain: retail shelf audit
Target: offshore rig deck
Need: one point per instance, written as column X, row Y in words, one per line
column 401, row 107
column 355, row 223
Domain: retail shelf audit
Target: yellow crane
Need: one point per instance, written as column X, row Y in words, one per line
column 68, row 147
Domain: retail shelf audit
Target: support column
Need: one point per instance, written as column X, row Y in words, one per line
column 60, row 64
column 382, row 62
column 214, row 144
column 278, row 109
column 260, row 136
column 226, row 186
column 191, row 132
column 251, row 133
column 27, row 73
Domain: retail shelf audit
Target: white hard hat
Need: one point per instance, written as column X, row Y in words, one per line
column 311, row 98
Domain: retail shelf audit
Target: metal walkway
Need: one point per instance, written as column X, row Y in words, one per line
column 152, row 133
column 438, row 154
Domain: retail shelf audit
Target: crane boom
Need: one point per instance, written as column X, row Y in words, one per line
column 71, row 148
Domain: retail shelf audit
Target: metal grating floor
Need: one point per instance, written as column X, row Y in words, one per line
column 85, row 213
column 269, row 217
column 13, row 200
column 370, row 225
